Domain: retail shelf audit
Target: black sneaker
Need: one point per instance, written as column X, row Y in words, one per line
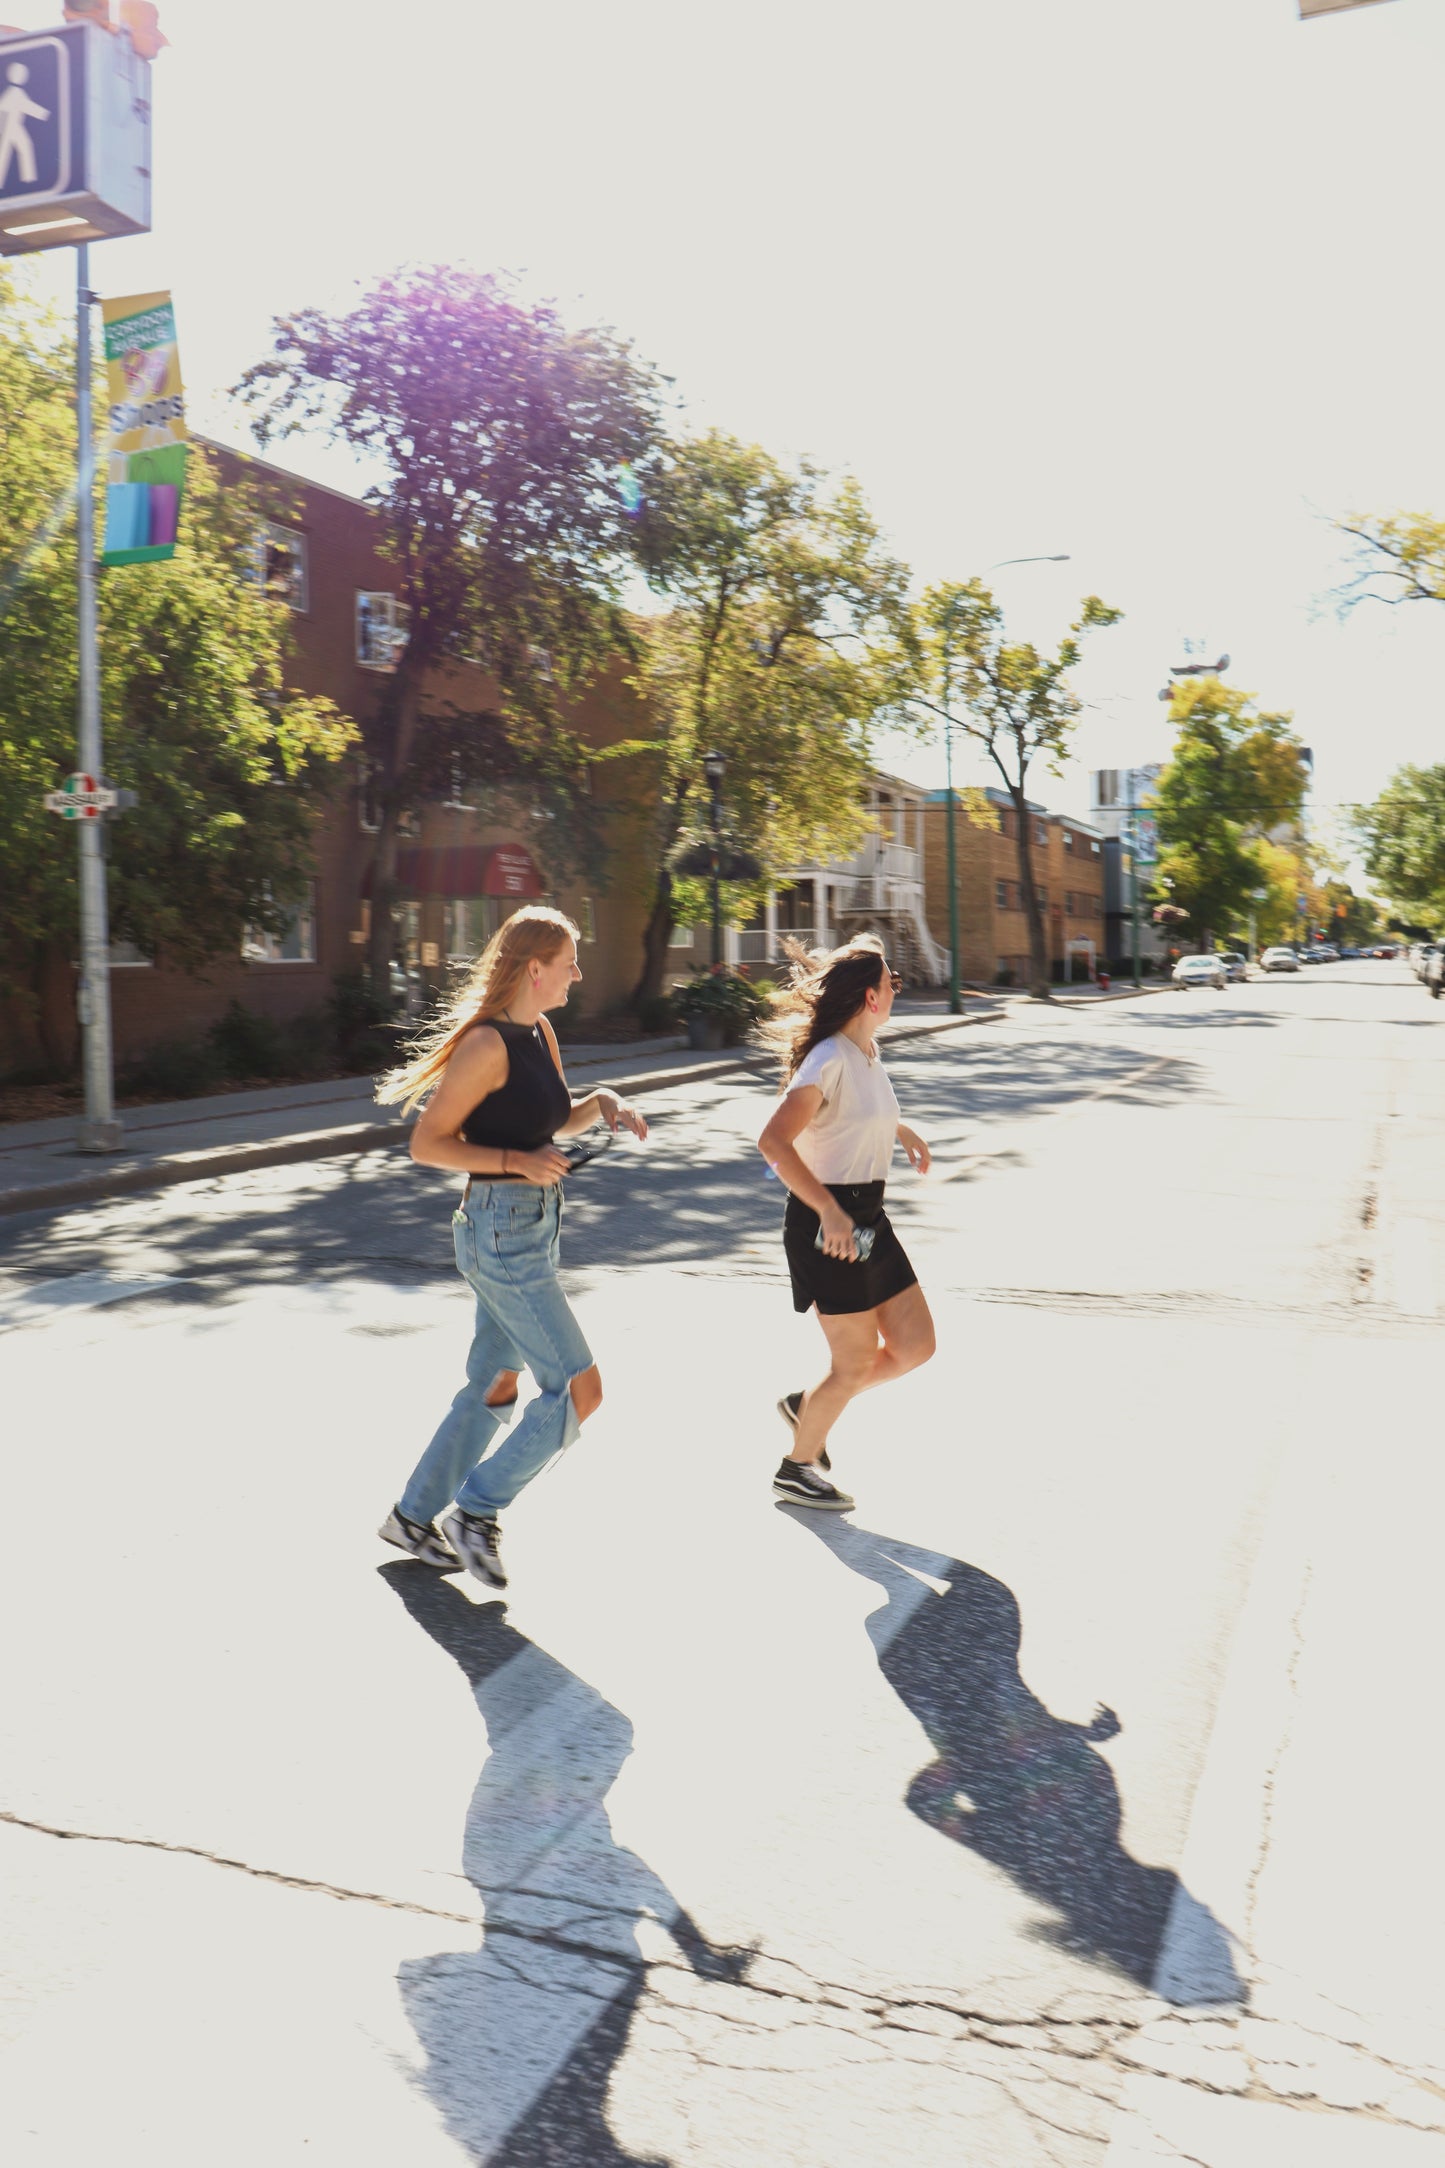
column 790, row 1407
column 422, row 1539
column 479, row 1541
column 800, row 1483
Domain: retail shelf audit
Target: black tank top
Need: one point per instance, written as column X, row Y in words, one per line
column 531, row 1106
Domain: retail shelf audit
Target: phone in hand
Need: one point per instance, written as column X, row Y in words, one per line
column 578, row 1154
column 862, row 1243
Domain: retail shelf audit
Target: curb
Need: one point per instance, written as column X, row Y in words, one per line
column 355, row 1137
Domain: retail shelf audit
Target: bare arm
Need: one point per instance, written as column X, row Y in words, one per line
column 601, row 1105
column 477, row 1067
column 778, row 1145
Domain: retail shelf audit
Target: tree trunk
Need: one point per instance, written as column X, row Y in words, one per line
column 398, row 721
column 57, row 1023
column 1028, row 888
column 655, row 937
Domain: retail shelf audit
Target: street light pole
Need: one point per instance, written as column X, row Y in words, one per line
column 99, row 1131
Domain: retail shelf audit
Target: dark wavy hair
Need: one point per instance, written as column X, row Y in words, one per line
column 828, row 992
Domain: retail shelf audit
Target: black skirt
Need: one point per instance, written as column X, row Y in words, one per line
column 838, row 1288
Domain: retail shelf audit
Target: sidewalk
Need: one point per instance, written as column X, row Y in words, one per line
column 192, row 1140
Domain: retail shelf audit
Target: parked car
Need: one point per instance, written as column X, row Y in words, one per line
column 1200, row 971
column 1279, row 959
column 1325, row 952
column 1435, row 969
column 1235, row 965
column 1420, row 954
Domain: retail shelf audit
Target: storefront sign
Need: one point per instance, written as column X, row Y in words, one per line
column 146, row 435
column 511, row 871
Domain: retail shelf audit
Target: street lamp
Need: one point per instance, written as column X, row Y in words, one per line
column 714, row 767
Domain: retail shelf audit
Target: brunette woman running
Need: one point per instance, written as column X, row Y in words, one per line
column 498, row 1098
column 831, row 1141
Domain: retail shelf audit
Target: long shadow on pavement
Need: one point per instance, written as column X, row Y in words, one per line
column 521, row 2036
column 696, row 1196
column 1019, row 1786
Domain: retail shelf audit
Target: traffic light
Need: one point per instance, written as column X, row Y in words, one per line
column 142, row 19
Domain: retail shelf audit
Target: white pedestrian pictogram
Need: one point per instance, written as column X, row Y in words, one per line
column 16, row 108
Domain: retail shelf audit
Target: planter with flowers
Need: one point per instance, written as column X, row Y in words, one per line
column 717, row 1007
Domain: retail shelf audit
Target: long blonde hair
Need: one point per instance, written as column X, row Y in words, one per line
column 533, row 934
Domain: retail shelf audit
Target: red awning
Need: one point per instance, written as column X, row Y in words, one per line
column 461, row 870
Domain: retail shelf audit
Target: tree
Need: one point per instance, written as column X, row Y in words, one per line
column 1401, row 558
column 1235, row 775
column 770, row 648
column 196, row 715
column 1403, row 835
column 1017, row 705
column 509, row 450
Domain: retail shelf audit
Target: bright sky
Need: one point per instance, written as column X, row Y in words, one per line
column 1153, row 282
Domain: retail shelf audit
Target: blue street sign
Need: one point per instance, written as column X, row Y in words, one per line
column 42, row 131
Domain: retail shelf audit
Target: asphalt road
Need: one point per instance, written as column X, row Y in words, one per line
column 995, row 1824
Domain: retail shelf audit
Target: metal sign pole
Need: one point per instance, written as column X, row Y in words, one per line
column 99, row 1131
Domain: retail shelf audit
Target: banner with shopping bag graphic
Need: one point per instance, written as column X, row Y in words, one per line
column 146, row 434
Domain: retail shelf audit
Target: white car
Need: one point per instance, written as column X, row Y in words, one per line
column 1199, row 971
column 1279, row 959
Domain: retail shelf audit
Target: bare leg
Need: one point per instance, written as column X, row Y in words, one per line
column 503, row 1389
column 869, row 1347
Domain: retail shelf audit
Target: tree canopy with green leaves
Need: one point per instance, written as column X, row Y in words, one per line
column 195, row 712
column 1235, row 774
column 955, row 666
column 770, row 648
column 1401, row 558
column 1403, row 836
column 512, row 451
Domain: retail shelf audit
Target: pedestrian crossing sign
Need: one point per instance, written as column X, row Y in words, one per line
column 75, row 134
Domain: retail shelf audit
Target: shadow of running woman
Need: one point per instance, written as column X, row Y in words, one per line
column 1022, row 1788
column 521, row 2036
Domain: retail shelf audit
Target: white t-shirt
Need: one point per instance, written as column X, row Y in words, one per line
column 851, row 1137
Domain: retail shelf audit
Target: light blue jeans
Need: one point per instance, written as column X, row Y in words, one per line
column 506, row 1236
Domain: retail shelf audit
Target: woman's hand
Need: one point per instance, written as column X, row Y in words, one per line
column 619, row 1115
column 545, row 1167
column 920, row 1159
column 838, row 1234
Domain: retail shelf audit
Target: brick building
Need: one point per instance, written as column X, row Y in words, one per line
column 462, row 869
column 993, row 931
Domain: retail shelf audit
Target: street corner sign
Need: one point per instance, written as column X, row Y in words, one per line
column 82, row 798
column 146, row 432
column 75, row 139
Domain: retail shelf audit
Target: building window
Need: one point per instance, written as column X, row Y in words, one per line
column 1043, row 897
column 1041, row 835
column 125, row 956
column 296, row 942
column 468, row 924
column 1094, row 845
column 793, row 909
column 1068, row 839
column 586, row 919
column 680, row 937
column 281, row 564
column 1000, row 895
column 382, row 623
column 1005, row 824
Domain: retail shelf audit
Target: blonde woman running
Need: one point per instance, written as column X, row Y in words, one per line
column 831, row 1141
column 496, row 1100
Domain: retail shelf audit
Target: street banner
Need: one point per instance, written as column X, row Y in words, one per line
column 146, row 435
